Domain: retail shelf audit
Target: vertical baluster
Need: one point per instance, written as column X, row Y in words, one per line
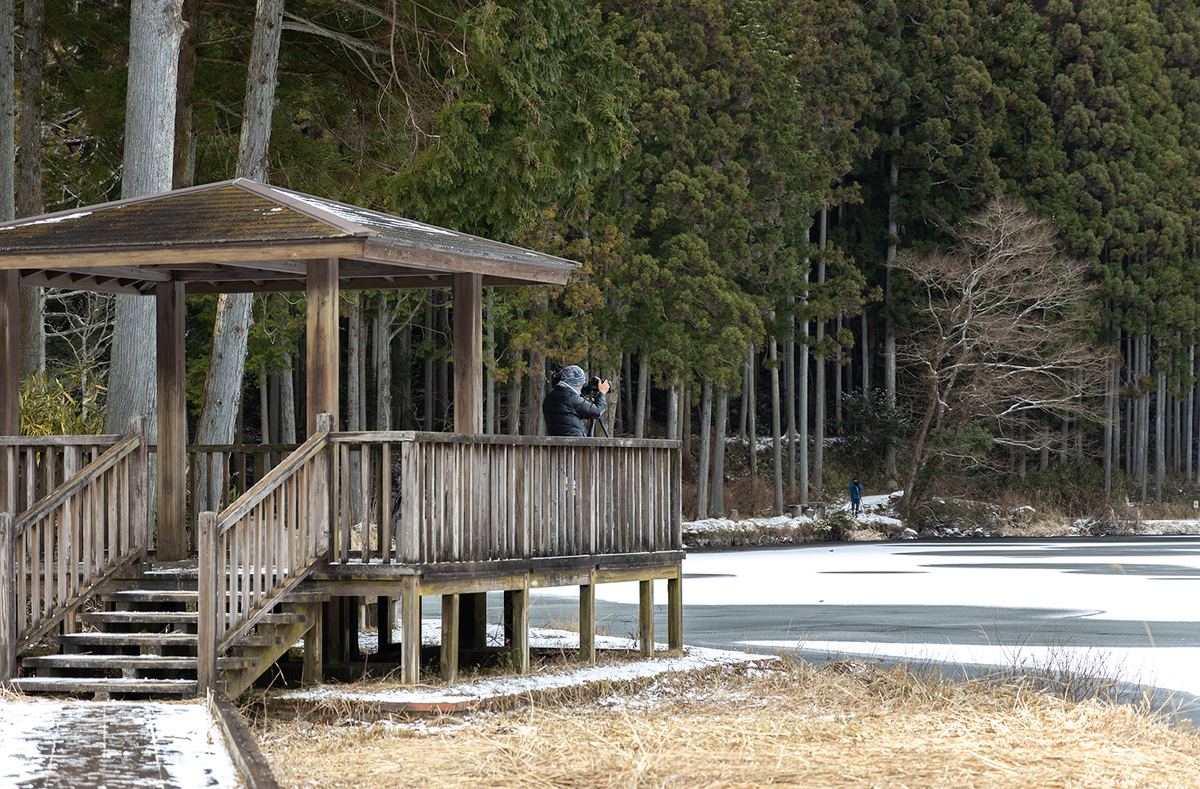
column 386, row 551
column 364, row 502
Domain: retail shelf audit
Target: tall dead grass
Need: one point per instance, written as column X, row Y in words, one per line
column 842, row 725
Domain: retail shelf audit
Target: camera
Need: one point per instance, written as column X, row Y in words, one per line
column 592, row 387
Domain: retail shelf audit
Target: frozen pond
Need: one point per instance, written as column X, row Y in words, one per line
column 1121, row 607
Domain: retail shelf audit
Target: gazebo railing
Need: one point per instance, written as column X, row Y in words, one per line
column 426, row 498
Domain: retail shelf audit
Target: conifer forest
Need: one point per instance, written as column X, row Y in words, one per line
column 941, row 245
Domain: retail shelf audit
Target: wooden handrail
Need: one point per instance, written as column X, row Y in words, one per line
column 260, row 548
column 71, row 541
column 259, row 491
column 126, row 447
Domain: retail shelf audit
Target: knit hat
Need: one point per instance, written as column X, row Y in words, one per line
column 573, row 375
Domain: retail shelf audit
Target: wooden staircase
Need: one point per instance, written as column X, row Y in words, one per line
column 137, row 638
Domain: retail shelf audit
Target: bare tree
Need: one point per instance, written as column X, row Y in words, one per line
column 1000, row 341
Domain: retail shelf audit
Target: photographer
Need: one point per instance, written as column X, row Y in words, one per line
column 565, row 409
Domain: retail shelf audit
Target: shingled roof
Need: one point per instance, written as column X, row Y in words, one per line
column 241, row 235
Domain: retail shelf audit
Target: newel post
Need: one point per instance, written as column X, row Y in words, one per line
column 139, row 493
column 208, row 604
column 8, row 601
column 322, row 502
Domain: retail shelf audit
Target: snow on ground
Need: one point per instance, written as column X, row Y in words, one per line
column 479, row 689
column 117, row 745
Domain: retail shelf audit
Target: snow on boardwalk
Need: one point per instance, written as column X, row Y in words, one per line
column 111, row 745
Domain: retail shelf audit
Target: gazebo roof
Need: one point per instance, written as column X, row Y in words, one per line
column 242, row 236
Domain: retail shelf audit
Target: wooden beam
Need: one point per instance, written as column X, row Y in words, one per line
column 323, row 350
column 172, row 423
column 182, row 254
column 531, row 271
column 468, row 353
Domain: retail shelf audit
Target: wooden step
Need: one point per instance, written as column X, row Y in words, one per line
column 69, row 685
column 127, row 639
column 138, row 617
column 175, row 617
column 150, row 596
column 94, row 662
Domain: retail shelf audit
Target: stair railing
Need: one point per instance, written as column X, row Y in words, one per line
column 260, row 547
column 56, row 552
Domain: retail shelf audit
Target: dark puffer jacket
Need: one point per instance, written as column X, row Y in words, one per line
column 565, row 411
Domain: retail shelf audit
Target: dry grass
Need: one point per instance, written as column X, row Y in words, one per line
column 845, row 725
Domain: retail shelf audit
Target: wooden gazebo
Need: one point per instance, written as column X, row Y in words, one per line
column 496, row 513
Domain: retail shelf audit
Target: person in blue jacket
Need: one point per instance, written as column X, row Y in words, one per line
column 565, row 408
column 855, row 496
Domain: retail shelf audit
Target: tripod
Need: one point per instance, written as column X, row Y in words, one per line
column 591, row 431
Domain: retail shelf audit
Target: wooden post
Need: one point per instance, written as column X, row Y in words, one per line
column 10, row 379
column 450, row 637
column 139, row 506
column 646, row 618
column 410, row 627
column 172, row 423
column 468, row 417
column 8, row 600
column 207, row 608
column 520, row 623
column 468, row 353
column 587, row 622
column 323, row 351
column 314, row 665
column 675, row 611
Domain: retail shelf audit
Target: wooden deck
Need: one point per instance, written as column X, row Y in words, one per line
column 349, row 517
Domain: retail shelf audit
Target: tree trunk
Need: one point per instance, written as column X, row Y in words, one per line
column 156, row 27
column 889, row 324
column 430, row 381
column 820, row 404
column 354, row 362
column 802, row 373
column 673, row 411
column 752, row 412
column 8, row 109
column 686, row 418
column 287, row 401
column 1144, row 420
column 643, row 386
column 184, row 169
column 514, row 404
column 490, row 353
column 717, row 482
column 776, row 438
column 627, row 415
column 384, row 319
column 32, row 309
column 705, row 443
column 745, row 414
column 1160, row 435
column 227, row 362
column 789, row 378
